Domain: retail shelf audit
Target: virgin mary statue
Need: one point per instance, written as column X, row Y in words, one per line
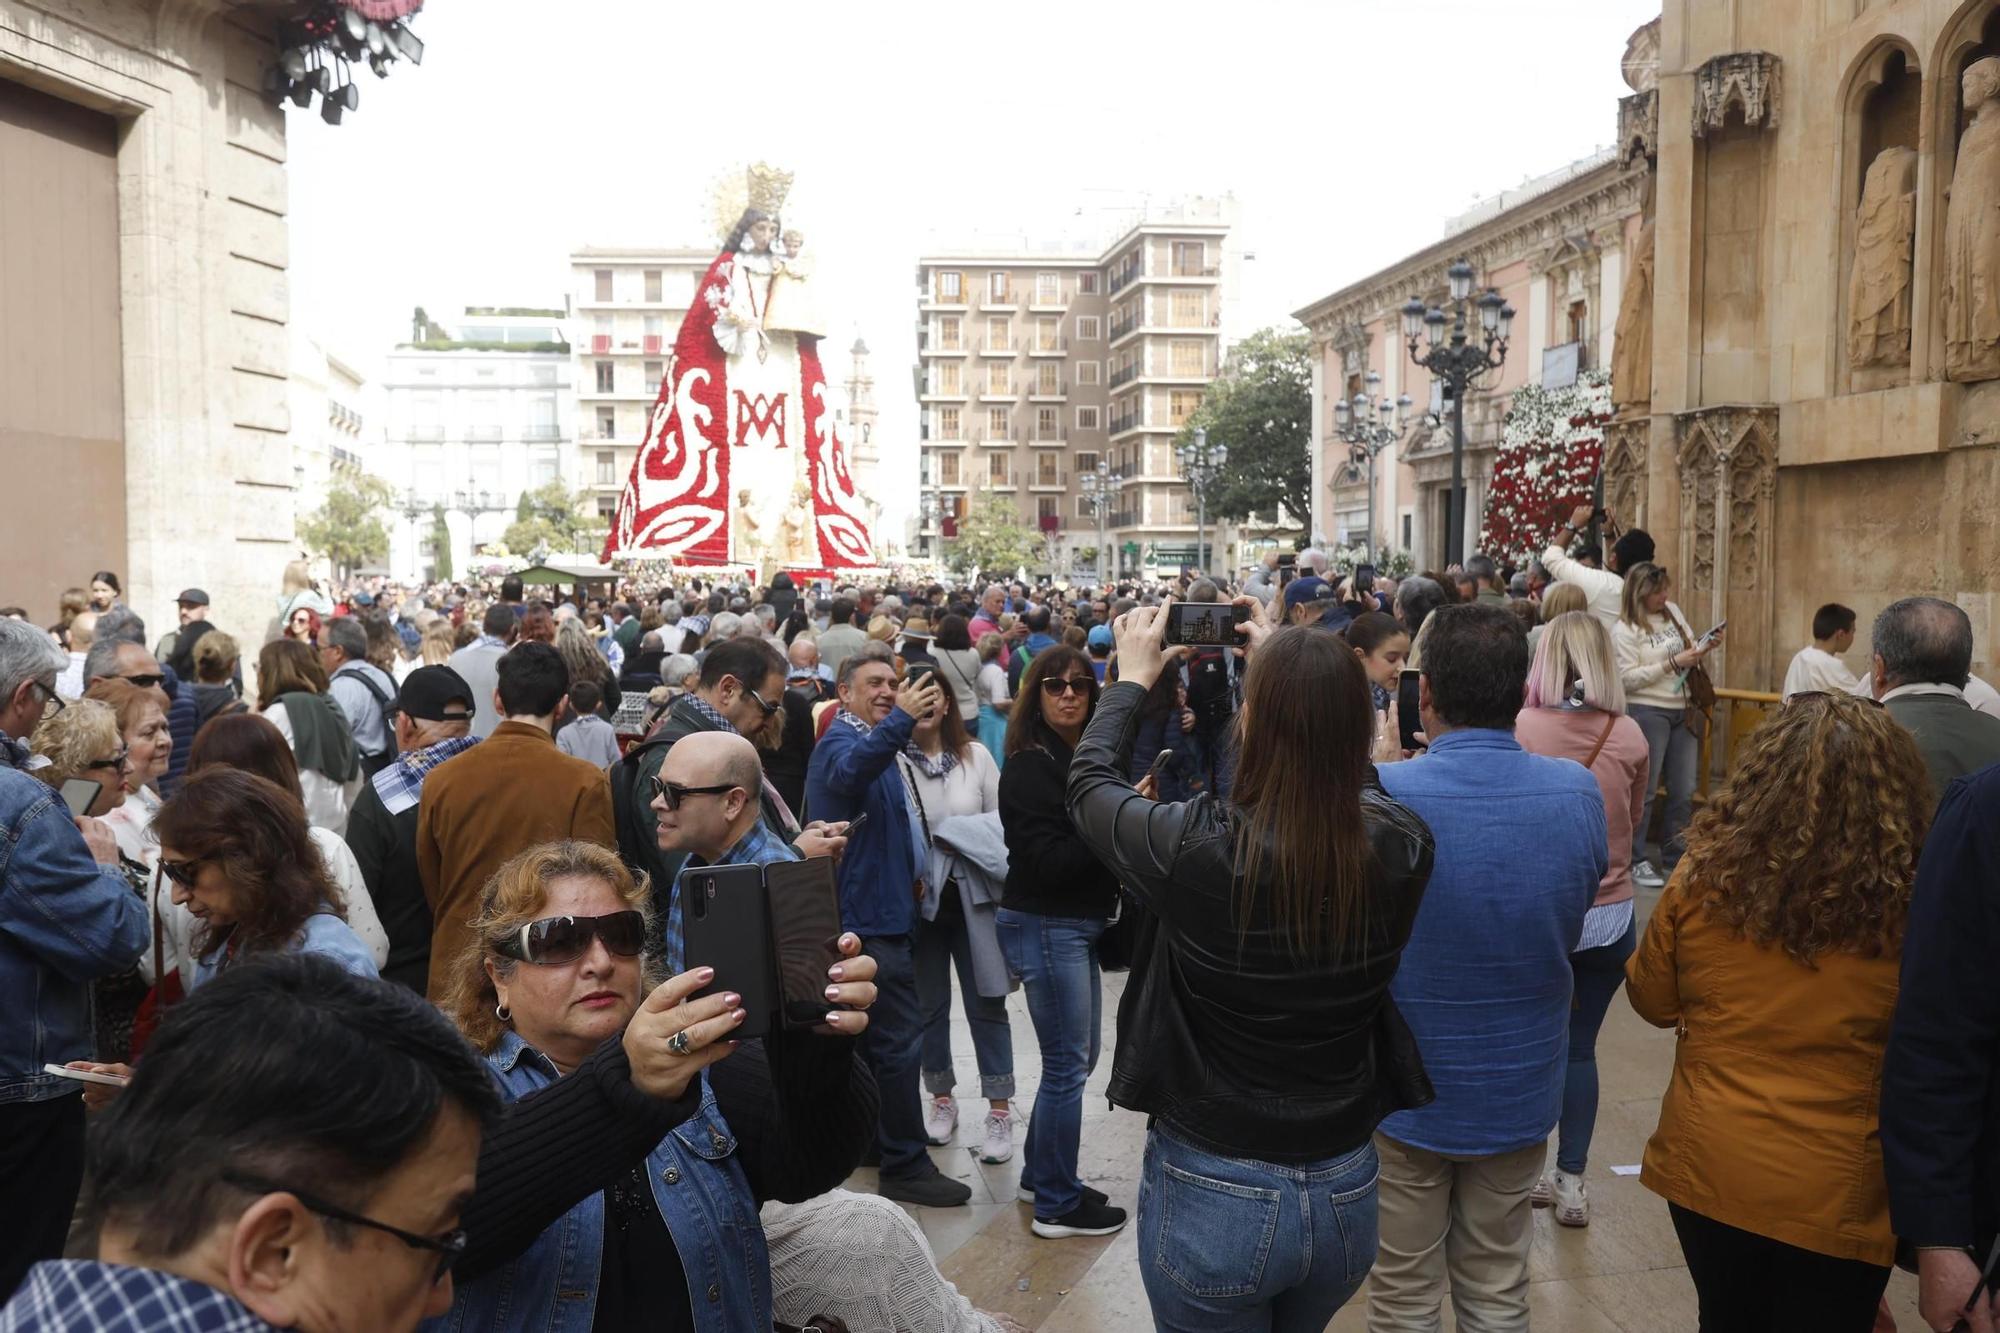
column 741, row 442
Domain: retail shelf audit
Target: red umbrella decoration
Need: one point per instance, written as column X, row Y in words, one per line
column 318, row 50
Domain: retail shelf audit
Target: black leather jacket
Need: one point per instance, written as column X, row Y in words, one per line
column 1224, row 1034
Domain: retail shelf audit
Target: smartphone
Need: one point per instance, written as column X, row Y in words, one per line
column 1364, row 581
column 805, row 936
column 1159, row 764
column 854, row 826
column 87, row 1076
column 1709, row 637
column 1205, row 623
column 1409, row 718
column 79, row 794
column 726, row 921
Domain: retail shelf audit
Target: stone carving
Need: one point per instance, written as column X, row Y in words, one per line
column 1350, row 339
column 1878, row 290
column 1625, row 452
column 1641, row 65
column 1639, row 128
column 1744, row 79
column 1632, row 340
column 1728, row 458
column 1972, row 236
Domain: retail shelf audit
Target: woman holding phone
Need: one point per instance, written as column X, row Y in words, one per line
column 1656, row 649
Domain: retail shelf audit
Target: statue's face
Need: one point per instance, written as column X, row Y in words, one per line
column 760, row 233
column 1981, row 83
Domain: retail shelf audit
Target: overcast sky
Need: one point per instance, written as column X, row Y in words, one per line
column 1348, row 130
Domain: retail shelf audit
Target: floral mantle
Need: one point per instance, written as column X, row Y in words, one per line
column 1547, row 463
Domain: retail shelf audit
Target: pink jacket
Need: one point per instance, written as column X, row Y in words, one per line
column 1620, row 770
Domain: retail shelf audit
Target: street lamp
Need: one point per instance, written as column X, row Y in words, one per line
column 1457, row 361
column 1366, row 436
column 1201, row 463
column 1100, row 488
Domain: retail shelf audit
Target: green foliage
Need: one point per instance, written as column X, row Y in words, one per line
column 551, row 513
column 348, row 528
column 1260, row 406
column 991, row 538
column 440, row 544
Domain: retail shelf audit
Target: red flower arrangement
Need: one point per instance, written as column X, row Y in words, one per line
column 1549, row 455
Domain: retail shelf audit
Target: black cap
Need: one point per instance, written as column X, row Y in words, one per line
column 437, row 694
column 192, row 597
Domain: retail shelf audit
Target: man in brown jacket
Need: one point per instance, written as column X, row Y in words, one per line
column 512, row 792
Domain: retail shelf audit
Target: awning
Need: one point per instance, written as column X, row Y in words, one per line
column 545, row 575
column 383, row 11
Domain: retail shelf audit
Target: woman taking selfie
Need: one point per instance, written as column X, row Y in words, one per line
column 1257, row 1029
column 1774, row 952
column 1059, row 896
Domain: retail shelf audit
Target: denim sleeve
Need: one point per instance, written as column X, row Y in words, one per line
column 56, row 903
column 855, row 761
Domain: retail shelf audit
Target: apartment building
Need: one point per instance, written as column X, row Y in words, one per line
column 1035, row 367
column 626, row 305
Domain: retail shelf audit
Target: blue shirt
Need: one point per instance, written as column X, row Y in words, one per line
column 111, row 1298
column 323, row 934
column 758, row 847
column 853, row 772
column 1485, row 980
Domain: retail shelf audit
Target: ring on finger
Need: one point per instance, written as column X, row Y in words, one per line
column 679, row 1043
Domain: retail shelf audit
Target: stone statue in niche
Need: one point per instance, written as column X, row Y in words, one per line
column 1972, row 235
column 1878, row 290
column 1632, row 340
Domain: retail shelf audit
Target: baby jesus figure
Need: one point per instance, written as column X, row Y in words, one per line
column 794, row 306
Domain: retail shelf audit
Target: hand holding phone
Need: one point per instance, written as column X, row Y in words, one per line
column 88, row 1076
column 79, row 794
column 1409, row 719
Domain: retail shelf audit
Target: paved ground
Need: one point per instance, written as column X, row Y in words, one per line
column 1622, row 1274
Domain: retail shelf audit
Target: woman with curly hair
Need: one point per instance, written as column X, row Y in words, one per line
column 1774, row 951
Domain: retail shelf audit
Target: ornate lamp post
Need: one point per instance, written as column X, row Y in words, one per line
column 1365, row 437
column 1201, row 463
column 1100, row 487
column 1457, row 361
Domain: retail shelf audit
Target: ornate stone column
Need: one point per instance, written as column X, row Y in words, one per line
column 1747, row 80
column 1626, row 452
column 1728, row 462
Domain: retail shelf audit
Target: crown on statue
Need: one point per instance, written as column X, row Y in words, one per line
column 767, row 187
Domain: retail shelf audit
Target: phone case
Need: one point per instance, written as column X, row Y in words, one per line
column 726, row 923
column 805, row 935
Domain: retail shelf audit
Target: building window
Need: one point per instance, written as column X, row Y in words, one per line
column 948, row 469
column 1047, row 339
column 999, row 379
column 1086, row 461
column 1047, row 506
column 1188, row 310
column 1046, row 471
column 1181, row 405
column 1086, row 328
column 607, row 507
column 1190, row 257
column 607, row 468
column 1087, row 372
column 999, row 333
column 948, row 378
column 1048, row 424
column 605, row 376
column 541, row 374
column 1408, row 541
column 655, row 372
column 654, row 327
column 947, row 421
column 996, row 469
column 997, row 287
column 607, row 423
column 1185, row 356
column 950, row 285
column 654, row 288
column 999, row 423
column 1086, row 284
column 1048, row 378
column 948, row 332
column 1048, row 289
column 1579, row 321
column 1086, row 419
column 1083, row 508
column 603, row 284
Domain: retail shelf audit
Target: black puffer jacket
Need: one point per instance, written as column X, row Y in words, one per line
column 1234, row 1042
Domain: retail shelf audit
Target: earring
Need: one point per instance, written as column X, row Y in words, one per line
column 502, row 1012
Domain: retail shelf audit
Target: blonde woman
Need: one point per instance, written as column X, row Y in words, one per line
column 1575, row 709
column 1559, row 599
column 1774, row 953
column 1656, row 649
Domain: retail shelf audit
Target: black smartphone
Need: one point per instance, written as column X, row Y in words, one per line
column 726, row 921
column 1408, row 710
column 1364, row 581
column 1205, row 623
column 1159, row 764
column 805, row 936
column 79, row 794
column 854, row 826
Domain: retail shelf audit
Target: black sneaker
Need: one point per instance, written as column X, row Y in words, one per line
column 1026, row 1194
column 1086, row 1219
column 935, row 1190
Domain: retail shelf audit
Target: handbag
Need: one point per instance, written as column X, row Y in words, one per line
column 167, row 990
column 1118, row 946
column 1700, row 687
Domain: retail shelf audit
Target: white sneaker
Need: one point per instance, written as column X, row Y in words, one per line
column 1646, row 877
column 1572, row 1202
column 942, row 1122
column 1543, row 1195
column 999, row 1145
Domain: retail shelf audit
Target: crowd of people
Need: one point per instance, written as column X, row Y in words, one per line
column 367, row 962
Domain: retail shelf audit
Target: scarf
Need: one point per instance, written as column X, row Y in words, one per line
column 322, row 740
column 936, row 768
column 401, row 784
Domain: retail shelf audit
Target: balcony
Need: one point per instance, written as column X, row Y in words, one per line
column 537, row 434
column 1057, row 346
column 484, row 434
column 1007, row 300
column 427, row 434
column 991, row 440
column 1046, row 304
column 1131, row 421
column 1004, row 481
column 998, row 393
column 650, row 344
column 1048, row 392
column 953, row 394
column 1195, row 271
column 1115, row 329
column 954, row 348
column 1049, row 481
column 998, row 347
column 1124, row 276
column 936, row 299
column 1124, row 376
column 600, row 344
column 1048, row 442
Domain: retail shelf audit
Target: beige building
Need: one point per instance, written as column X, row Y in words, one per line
column 143, row 304
column 331, row 433
column 626, row 305
column 1034, row 367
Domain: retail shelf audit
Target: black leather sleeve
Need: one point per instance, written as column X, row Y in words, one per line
column 1137, row 838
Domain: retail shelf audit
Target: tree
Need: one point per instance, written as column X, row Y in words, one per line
column 991, row 538
column 550, row 513
column 348, row 528
column 1260, row 406
column 440, row 545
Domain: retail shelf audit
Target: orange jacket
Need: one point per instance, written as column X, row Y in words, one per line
column 1769, row 1123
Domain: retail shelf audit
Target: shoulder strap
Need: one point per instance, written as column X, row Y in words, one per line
column 910, row 776
column 1598, row 748
column 388, row 701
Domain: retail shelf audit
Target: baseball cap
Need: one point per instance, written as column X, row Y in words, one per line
column 192, row 597
column 437, row 694
column 1311, row 588
column 1100, row 636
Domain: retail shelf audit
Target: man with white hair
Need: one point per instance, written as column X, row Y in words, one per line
column 1312, row 560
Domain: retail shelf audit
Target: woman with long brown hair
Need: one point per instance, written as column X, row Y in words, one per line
column 1257, row 1029
column 1774, row 952
column 292, row 692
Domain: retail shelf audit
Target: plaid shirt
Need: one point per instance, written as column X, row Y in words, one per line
column 111, row 1298
column 709, row 713
column 758, row 847
column 401, row 784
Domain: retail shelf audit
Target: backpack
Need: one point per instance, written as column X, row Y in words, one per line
column 391, row 703
column 638, row 848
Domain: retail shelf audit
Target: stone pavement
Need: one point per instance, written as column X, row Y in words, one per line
column 1622, row 1274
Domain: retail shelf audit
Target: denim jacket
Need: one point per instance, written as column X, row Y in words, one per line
column 65, row 921
column 704, row 1199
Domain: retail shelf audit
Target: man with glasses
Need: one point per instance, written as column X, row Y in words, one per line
column 67, row 917
column 295, row 1152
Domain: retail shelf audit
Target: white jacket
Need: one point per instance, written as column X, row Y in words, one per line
column 1642, row 660
column 1604, row 589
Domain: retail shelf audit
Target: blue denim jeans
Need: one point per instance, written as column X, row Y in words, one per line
column 1672, row 752
column 895, row 1032
column 941, row 945
column 1226, row 1243
column 1598, row 974
column 1056, row 959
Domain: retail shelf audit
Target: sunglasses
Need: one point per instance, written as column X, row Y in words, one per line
column 183, row 873
column 673, row 793
column 146, row 681
column 52, row 702
column 1055, row 685
column 116, row 762
column 447, row 1247
column 763, row 703
column 564, row 939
